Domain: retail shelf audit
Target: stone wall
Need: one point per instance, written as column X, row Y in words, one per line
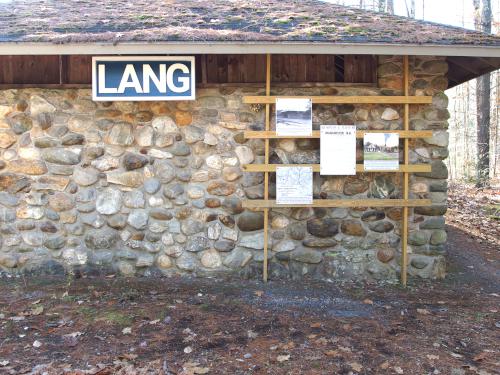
column 157, row 187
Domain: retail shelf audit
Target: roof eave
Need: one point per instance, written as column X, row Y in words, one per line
column 244, row 47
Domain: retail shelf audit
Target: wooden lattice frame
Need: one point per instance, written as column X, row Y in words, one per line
column 406, row 134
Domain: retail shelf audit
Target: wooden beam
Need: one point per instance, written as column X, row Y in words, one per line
column 266, row 134
column 406, row 176
column 342, row 203
column 266, row 159
column 344, row 99
column 271, row 168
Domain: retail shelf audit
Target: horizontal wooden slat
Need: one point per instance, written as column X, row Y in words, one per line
column 316, row 168
column 252, row 134
column 343, row 99
column 261, row 203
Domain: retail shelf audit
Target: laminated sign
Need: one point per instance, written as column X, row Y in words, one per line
column 381, row 151
column 293, row 117
column 143, row 78
column 294, row 185
column 338, row 150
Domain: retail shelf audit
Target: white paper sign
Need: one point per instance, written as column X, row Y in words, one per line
column 381, row 151
column 294, row 185
column 338, row 150
column 293, row 117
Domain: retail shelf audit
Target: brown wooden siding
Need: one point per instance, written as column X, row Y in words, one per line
column 210, row 69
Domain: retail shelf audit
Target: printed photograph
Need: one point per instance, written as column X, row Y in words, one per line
column 293, row 117
column 381, row 151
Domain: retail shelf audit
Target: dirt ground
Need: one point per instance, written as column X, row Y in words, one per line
column 199, row 326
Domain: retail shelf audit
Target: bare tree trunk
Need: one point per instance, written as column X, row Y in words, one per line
column 361, row 4
column 381, row 5
column 390, row 6
column 482, row 21
column 423, row 10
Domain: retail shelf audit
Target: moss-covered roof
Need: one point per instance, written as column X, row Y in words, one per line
column 87, row 21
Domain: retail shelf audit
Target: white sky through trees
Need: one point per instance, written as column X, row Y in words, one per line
column 449, row 12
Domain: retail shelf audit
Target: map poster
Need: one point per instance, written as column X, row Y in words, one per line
column 293, row 117
column 381, row 151
column 294, row 185
column 338, row 150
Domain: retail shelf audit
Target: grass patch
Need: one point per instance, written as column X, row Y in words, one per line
column 114, row 317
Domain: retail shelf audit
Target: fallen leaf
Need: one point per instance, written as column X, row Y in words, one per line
column 332, row 353
column 259, row 293
column 201, row 370
column 283, row 358
column 315, row 325
column 432, row 357
column 356, row 366
column 37, row 344
column 36, row 310
column 188, row 349
column 384, row 366
column 4, row 363
column 398, row 370
column 368, row 301
column 480, row 356
column 36, row 302
column 127, row 331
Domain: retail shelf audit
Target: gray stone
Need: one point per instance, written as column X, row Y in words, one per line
column 297, row 231
column 134, row 199
column 72, row 139
column 180, row 149
column 418, row 238
column 138, row 219
column 319, row 242
column 160, row 214
column 101, row 239
column 434, row 210
column 285, row 245
column 133, row 161
column 20, row 123
column 224, row 245
column 118, row 221
column 438, row 237
column 173, row 191
column 152, row 185
column 121, row 135
column 164, row 171
column 245, row 154
column 109, row 202
column 45, row 142
column 199, row 243
column 186, row 262
column 55, row 242
column 130, row 179
column 381, row 226
column 439, row 171
column 433, row 223
column 322, row 228
column 306, row 255
column 353, row 186
column 190, row 227
column 193, row 134
column 85, row 176
column 60, row 156
column 238, row 258
column 253, row 241
column 353, row 228
column 373, row 215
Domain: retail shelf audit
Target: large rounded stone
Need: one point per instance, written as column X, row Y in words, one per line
column 325, row 227
column 72, row 139
column 439, row 171
column 101, row 239
column 250, row 221
column 436, row 210
column 130, row 178
column 164, row 261
column 60, row 156
column 152, row 185
column 134, row 199
column 306, row 256
column 382, row 187
column 438, row 237
column 238, row 258
column 85, row 176
column 61, row 202
column 433, row 223
column 353, row 186
column 31, row 167
column 121, row 135
column 20, row 123
column 221, row 188
column 297, row 231
column 160, row 214
column 373, row 215
column 55, row 242
column 173, row 191
column 210, row 259
column 109, row 202
column 285, row 245
column 186, row 262
column 385, row 255
column 133, row 161
column 196, row 244
column 253, row 241
column 319, row 242
column 245, row 154
column 190, row 227
column 117, row 221
column 381, row 226
column 353, row 228
column 138, row 219
column 224, row 245
column 418, row 238
column 164, row 171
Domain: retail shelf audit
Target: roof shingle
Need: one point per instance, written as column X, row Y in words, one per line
column 89, row 21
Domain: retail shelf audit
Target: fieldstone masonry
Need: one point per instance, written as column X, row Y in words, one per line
column 157, row 187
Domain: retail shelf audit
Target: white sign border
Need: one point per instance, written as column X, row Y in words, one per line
column 191, row 59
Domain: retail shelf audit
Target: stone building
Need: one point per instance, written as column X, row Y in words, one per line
column 157, row 187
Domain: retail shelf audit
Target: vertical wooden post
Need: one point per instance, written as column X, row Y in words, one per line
column 266, row 174
column 406, row 175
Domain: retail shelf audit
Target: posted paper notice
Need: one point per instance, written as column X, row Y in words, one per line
column 293, row 117
column 381, row 151
column 294, row 185
column 338, row 150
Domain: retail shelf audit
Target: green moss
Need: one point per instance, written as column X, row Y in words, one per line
column 115, row 317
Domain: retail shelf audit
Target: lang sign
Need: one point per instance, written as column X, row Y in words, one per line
column 143, row 78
